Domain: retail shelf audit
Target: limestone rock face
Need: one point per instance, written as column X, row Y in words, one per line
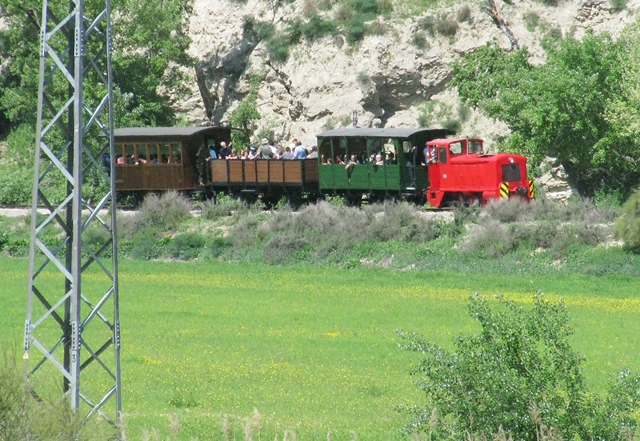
column 385, row 80
column 554, row 182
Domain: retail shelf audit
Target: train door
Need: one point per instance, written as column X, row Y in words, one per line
column 407, row 161
column 325, row 174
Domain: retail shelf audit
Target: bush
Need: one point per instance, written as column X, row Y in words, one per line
column 518, row 376
column 16, row 184
column 628, row 225
column 618, row 5
column 186, row 246
column 446, row 26
column 355, row 29
column 531, row 20
column 419, row 40
column 317, row 28
column 223, row 206
column 463, row 14
column 24, row 418
column 165, row 212
column 428, row 23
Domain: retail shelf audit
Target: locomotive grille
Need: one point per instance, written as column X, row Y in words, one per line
column 511, row 173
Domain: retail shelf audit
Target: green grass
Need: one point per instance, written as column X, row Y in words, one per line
column 312, row 349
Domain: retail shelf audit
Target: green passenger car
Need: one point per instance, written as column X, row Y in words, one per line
column 397, row 171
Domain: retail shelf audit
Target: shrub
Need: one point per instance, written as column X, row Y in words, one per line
column 186, row 246
column 451, row 124
column 531, row 20
column 518, row 376
column 363, row 79
column 278, row 48
column 618, row 5
column 164, row 212
column 446, row 26
column 428, row 23
column 144, row 247
column 222, row 207
column 25, row 418
column 490, row 239
column 376, row 27
column 628, row 225
column 463, row 14
column 355, row 29
column 344, row 13
column 16, row 185
column 317, row 28
column 419, row 40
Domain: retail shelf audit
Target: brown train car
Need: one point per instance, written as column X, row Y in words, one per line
column 162, row 158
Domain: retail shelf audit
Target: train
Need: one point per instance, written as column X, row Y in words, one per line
column 373, row 164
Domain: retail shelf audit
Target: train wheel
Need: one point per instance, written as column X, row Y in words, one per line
column 249, row 198
column 353, row 200
column 294, row 200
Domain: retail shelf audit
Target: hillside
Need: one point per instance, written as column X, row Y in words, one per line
column 395, row 76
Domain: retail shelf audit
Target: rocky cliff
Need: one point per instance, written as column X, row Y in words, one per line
column 388, row 80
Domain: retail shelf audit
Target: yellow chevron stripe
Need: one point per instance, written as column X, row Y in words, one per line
column 504, row 190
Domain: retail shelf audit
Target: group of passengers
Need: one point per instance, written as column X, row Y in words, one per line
column 266, row 150
column 382, row 158
column 153, row 159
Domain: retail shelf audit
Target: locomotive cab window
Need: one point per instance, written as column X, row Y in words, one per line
column 442, row 155
column 456, row 148
column 475, row 147
column 511, row 173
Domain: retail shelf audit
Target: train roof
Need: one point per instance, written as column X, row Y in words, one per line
column 135, row 133
column 391, row 132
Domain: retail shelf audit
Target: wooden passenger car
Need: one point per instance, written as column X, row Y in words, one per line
column 403, row 172
column 162, row 158
column 266, row 176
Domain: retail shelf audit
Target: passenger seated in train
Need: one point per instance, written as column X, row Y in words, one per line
column 244, row 154
column 225, row 150
column 313, row 154
column 154, row 159
column 233, row 154
column 339, row 160
column 353, row 160
column 287, row 153
column 252, row 152
column 120, row 160
column 391, row 158
column 379, row 160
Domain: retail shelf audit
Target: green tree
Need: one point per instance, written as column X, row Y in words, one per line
column 244, row 117
column 150, row 52
column 518, row 375
column 555, row 109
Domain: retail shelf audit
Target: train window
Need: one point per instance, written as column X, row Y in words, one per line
column 511, row 173
column 142, row 154
column 176, row 153
column 475, row 147
column 442, row 155
column 456, row 148
column 165, row 153
column 358, row 147
column 325, row 151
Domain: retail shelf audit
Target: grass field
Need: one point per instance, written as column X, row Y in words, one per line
column 312, row 349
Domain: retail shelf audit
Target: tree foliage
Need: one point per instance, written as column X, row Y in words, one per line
column 150, row 50
column 571, row 107
column 628, row 225
column 244, row 117
column 518, row 375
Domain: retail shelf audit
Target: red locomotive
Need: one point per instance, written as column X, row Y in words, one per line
column 460, row 170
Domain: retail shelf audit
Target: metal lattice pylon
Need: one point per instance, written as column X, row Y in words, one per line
column 72, row 335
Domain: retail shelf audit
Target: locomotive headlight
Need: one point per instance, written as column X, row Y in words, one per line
column 511, row 161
